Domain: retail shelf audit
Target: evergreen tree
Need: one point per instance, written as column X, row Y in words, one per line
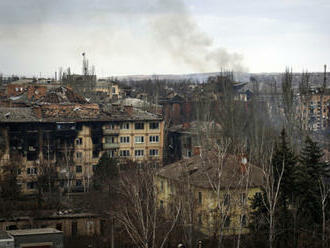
column 311, row 170
column 284, row 159
column 284, row 165
column 105, row 171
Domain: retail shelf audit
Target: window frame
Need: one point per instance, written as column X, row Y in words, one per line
column 151, row 125
column 139, row 137
column 139, row 126
column 154, row 138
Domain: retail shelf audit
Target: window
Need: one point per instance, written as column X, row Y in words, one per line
column 110, row 126
column 110, row 139
column 94, row 167
column 113, row 90
column 79, row 141
column 111, row 153
column 154, row 125
column 161, row 204
column 124, row 125
column 124, row 139
column 32, row 171
column 139, row 139
column 227, row 222
column 139, row 125
column 59, row 226
column 243, row 220
column 153, row 152
column 124, row 153
column 78, row 169
column 162, row 186
column 139, row 153
column 200, row 197
column 31, row 185
column 78, row 183
column 154, row 139
column 226, row 201
column 79, row 155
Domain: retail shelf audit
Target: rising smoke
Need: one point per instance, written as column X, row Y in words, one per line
column 177, row 32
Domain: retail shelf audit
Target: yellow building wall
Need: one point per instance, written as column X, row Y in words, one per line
column 210, row 220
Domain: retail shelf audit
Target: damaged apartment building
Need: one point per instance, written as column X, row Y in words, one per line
column 62, row 130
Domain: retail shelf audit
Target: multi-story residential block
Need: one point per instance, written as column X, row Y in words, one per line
column 65, row 132
column 216, row 190
column 314, row 109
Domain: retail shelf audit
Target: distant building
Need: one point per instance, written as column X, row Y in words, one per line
column 71, row 224
column 314, row 109
column 111, row 89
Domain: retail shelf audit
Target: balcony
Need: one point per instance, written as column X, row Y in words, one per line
column 110, row 146
column 111, row 131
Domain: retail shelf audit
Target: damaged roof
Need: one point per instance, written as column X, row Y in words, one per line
column 62, row 95
column 72, row 112
column 63, row 105
column 202, row 171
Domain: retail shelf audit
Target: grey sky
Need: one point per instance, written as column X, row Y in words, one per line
column 163, row 36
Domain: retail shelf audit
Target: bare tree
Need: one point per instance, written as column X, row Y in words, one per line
column 139, row 212
column 324, row 191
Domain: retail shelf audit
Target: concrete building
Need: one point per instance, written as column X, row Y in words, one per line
column 111, row 89
column 195, row 182
column 62, row 130
column 38, row 238
column 314, row 109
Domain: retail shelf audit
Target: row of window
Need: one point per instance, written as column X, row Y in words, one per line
column 138, row 153
column 227, row 220
column 137, row 126
column 226, row 198
column 138, row 139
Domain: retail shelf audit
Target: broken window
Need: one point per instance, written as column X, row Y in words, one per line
column 124, row 125
column 139, row 125
column 154, row 125
column 110, row 139
column 79, row 141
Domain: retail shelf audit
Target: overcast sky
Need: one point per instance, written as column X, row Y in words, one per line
column 163, row 36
